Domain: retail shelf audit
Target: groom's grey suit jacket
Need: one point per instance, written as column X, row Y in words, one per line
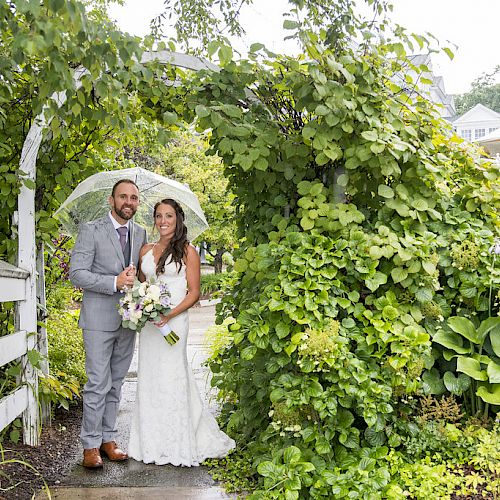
column 96, row 259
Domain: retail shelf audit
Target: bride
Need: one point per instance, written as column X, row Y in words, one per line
column 169, row 423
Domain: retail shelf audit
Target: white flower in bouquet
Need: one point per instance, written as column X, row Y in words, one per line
column 154, row 293
column 144, row 302
column 142, row 289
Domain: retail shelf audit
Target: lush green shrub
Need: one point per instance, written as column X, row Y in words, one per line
column 366, row 225
column 212, row 283
column 66, row 351
column 63, row 296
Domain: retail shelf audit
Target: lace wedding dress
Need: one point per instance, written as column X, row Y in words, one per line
column 169, row 423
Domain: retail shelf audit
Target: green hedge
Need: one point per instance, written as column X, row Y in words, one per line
column 66, row 351
column 212, row 283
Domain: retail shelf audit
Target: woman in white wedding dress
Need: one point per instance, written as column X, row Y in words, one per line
column 170, row 424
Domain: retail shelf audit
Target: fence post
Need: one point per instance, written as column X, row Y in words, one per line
column 26, row 309
column 43, row 345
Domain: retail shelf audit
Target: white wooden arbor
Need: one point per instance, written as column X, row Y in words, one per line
column 20, row 283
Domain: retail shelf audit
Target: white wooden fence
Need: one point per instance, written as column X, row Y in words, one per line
column 20, row 284
column 15, row 284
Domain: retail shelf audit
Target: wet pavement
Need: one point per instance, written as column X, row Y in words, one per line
column 136, row 480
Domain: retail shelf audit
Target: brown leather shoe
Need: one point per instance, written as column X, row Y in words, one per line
column 92, row 458
column 112, row 451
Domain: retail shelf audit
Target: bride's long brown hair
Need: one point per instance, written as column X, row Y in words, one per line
column 176, row 249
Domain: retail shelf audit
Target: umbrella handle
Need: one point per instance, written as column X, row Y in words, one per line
column 131, row 260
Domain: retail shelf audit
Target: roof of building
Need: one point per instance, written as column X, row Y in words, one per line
column 477, row 113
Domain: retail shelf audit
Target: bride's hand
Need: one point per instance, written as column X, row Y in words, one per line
column 162, row 321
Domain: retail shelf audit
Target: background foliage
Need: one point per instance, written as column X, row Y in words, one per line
column 108, row 101
column 484, row 91
column 183, row 158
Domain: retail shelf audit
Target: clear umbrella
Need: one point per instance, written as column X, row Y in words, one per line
column 89, row 200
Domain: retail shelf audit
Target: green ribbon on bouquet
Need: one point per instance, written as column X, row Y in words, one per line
column 171, row 338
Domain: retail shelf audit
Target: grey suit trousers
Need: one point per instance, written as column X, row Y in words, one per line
column 108, row 357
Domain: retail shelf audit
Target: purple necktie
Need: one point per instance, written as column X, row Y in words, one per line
column 122, row 231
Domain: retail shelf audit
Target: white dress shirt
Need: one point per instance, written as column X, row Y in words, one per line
column 116, row 225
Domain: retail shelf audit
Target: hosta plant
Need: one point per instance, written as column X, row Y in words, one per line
column 474, row 353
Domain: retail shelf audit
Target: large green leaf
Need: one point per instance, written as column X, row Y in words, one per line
column 493, row 372
column 471, row 367
column 495, row 341
column 350, row 439
column 385, row 191
column 424, row 294
column 399, row 274
column 377, row 280
column 450, row 340
column 456, row 385
column 466, row 328
column 374, row 438
column 267, row 469
column 400, row 207
column 432, row 382
column 248, row 352
column 489, row 393
column 344, row 419
column 291, row 455
column 491, row 326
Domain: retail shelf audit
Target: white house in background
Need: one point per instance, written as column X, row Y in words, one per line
column 491, row 144
column 434, row 91
column 439, row 96
column 477, row 123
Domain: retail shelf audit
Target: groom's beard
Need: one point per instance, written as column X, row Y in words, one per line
column 125, row 215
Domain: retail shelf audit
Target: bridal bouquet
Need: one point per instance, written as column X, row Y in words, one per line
column 145, row 302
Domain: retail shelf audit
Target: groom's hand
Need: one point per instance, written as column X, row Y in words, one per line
column 126, row 278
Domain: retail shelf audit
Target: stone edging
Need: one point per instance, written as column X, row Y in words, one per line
column 209, row 302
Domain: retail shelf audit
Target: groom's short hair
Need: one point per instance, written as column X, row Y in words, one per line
column 121, row 181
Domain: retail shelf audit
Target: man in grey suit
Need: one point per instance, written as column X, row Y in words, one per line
column 100, row 264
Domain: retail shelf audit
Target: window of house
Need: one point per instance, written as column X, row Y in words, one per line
column 466, row 134
column 492, row 130
column 479, row 132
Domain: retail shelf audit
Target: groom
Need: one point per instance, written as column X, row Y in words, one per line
column 100, row 264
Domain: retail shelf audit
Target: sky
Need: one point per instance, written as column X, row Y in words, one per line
column 469, row 28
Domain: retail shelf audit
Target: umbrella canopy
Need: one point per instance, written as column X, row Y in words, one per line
column 89, row 200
